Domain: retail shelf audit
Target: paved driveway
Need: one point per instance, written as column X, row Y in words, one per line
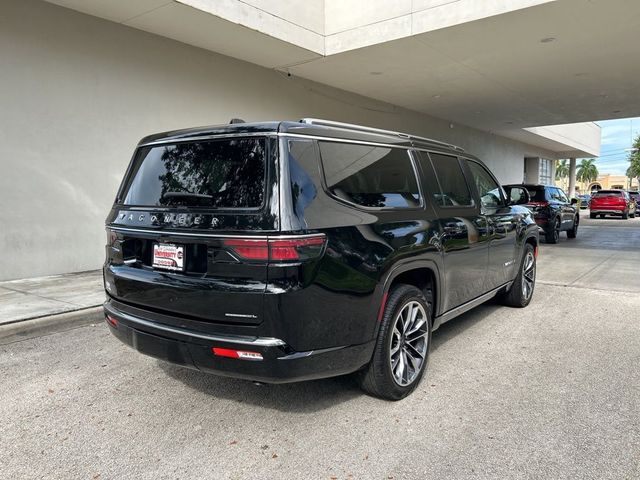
column 605, row 256
column 551, row 391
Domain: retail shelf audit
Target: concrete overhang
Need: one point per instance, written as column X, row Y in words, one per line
column 239, row 29
column 577, row 140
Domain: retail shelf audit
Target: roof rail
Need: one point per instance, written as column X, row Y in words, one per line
column 361, row 128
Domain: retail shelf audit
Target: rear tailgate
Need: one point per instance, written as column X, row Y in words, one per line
column 168, row 235
column 608, row 201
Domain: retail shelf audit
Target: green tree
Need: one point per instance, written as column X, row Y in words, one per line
column 562, row 173
column 634, row 160
column 587, row 170
column 562, row 169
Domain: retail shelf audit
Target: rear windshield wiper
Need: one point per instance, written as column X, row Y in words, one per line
column 199, row 196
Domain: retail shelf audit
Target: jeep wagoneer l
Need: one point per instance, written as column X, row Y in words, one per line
column 287, row 251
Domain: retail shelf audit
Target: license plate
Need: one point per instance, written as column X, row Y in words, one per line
column 168, row 256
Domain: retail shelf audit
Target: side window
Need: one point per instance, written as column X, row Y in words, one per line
column 555, row 195
column 370, row 176
column 562, row 196
column 454, row 191
column 491, row 195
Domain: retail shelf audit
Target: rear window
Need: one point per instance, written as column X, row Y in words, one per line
column 370, row 176
column 537, row 194
column 607, row 193
column 226, row 173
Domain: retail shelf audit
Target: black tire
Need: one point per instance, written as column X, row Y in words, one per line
column 516, row 296
column 625, row 215
column 602, row 215
column 553, row 235
column 592, row 215
column 378, row 378
column 573, row 233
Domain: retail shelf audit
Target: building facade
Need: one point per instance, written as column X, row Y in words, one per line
column 82, row 81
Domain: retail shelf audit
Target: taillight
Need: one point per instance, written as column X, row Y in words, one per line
column 248, row 249
column 112, row 237
column 278, row 249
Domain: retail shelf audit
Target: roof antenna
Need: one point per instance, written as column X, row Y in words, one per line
column 236, row 120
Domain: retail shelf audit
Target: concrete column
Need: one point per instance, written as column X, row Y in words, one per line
column 572, row 178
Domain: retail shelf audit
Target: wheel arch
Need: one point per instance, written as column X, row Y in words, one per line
column 423, row 274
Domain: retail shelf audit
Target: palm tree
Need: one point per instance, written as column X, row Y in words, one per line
column 634, row 159
column 562, row 172
column 587, row 170
column 562, row 169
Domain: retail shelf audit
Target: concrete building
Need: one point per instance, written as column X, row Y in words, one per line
column 81, row 81
column 606, row 181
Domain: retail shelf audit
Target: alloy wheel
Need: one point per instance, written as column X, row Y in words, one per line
column 528, row 275
column 409, row 343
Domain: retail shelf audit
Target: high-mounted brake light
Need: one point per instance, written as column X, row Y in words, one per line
column 240, row 354
column 277, row 249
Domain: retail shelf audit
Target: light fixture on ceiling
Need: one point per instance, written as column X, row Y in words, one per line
column 548, row 39
column 436, row 96
column 375, row 73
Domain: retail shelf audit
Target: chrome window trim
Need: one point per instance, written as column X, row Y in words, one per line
column 211, row 235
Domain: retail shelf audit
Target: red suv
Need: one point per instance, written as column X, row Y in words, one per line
column 612, row 202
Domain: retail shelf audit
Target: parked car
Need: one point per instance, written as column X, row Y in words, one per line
column 635, row 196
column 288, row 251
column 612, row 202
column 583, row 201
column 553, row 211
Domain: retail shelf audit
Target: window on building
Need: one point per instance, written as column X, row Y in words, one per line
column 545, row 172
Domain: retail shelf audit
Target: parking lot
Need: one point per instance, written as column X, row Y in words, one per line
column 550, row 391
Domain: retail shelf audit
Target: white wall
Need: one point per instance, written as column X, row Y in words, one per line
column 78, row 92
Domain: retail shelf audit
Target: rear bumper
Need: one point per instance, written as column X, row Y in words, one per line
column 279, row 364
column 611, row 210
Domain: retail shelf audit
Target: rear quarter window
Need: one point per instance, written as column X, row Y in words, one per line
column 220, row 174
column 537, row 194
column 370, row 176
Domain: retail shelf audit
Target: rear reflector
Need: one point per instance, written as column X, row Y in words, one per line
column 113, row 321
column 277, row 249
column 383, row 304
column 241, row 354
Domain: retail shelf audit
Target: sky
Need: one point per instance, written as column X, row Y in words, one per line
column 616, row 136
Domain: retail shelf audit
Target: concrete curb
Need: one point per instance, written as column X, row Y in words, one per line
column 37, row 327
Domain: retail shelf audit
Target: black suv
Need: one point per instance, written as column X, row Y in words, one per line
column 288, row 251
column 552, row 211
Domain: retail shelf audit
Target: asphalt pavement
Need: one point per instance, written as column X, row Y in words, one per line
column 550, row 391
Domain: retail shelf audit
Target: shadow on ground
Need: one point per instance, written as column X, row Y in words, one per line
column 310, row 396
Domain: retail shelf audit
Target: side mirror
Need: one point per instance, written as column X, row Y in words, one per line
column 517, row 195
column 574, row 201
